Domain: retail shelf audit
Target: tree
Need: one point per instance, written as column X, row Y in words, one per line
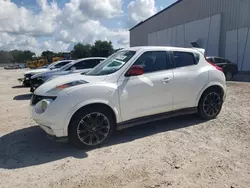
column 81, row 51
column 102, row 48
column 48, row 55
column 21, row 56
column 6, row 57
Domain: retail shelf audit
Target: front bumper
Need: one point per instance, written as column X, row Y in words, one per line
column 26, row 80
column 52, row 120
column 35, row 83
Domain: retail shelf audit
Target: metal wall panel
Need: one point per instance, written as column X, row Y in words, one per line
column 231, row 46
column 235, row 14
column 213, row 43
column 180, row 36
column 246, row 58
column 242, row 40
column 174, row 36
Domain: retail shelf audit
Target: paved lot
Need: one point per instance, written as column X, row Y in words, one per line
column 179, row 152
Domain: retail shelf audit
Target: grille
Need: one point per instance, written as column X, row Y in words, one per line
column 36, row 98
column 27, row 75
column 36, row 82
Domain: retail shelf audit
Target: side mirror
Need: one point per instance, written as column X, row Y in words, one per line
column 135, row 70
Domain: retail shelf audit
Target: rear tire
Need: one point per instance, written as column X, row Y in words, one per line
column 229, row 76
column 210, row 104
column 90, row 127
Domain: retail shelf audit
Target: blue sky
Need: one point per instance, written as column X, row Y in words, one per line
column 57, row 24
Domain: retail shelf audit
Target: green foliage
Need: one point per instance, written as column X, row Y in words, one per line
column 81, row 51
column 102, row 48
column 15, row 56
column 99, row 49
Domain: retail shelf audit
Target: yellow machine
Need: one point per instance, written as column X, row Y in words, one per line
column 43, row 61
column 37, row 63
column 54, row 59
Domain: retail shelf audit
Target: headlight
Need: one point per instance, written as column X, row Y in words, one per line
column 67, row 85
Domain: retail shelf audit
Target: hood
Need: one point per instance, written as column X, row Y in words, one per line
column 49, row 73
column 51, row 84
column 36, row 71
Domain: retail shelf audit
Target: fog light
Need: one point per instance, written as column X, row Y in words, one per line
column 42, row 106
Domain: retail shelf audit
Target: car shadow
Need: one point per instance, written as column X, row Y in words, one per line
column 148, row 129
column 19, row 86
column 30, row 146
column 23, row 97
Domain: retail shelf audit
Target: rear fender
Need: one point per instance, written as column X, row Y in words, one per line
column 206, row 87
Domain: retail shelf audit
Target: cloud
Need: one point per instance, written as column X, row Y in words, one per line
column 54, row 28
column 19, row 20
column 140, row 10
column 101, row 8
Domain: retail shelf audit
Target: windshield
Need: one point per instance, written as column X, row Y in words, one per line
column 52, row 65
column 112, row 64
column 65, row 67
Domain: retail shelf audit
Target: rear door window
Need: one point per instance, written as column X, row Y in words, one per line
column 183, row 59
column 91, row 63
column 59, row 65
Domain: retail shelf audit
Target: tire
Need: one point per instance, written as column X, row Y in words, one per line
column 229, row 76
column 210, row 104
column 82, row 124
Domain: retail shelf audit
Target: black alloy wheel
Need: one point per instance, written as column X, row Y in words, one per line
column 210, row 104
column 229, row 76
column 93, row 128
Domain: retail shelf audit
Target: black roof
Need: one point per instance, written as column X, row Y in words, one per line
column 178, row 1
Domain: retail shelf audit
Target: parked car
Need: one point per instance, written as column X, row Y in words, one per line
column 229, row 68
column 148, row 83
column 27, row 75
column 80, row 65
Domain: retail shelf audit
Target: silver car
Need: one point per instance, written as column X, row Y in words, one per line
column 79, row 65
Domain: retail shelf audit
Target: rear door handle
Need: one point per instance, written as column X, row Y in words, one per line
column 166, row 80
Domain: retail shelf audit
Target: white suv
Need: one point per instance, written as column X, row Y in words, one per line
column 133, row 86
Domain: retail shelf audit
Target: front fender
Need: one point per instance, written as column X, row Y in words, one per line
column 74, row 109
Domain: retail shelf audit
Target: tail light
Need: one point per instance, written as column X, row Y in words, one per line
column 214, row 65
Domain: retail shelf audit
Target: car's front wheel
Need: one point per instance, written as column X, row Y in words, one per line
column 210, row 104
column 91, row 126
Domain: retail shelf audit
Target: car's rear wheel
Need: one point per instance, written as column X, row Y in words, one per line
column 91, row 127
column 210, row 104
column 229, row 76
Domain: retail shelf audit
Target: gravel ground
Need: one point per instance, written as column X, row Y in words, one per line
column 178, row 152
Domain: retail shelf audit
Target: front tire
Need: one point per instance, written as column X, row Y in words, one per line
column 210, row 104
column 90, row 127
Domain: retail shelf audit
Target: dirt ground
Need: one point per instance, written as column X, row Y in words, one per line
column 178, row 152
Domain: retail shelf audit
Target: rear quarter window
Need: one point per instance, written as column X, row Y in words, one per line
column 183, row 59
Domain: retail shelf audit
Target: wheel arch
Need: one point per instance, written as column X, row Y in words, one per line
column 99, row 103
column 216, row 86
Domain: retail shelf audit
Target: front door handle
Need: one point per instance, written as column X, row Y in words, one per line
column 166, row 80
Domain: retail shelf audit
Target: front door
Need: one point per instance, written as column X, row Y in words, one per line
column 150, row 93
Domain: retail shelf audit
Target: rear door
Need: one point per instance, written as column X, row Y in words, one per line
column 189, row 78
